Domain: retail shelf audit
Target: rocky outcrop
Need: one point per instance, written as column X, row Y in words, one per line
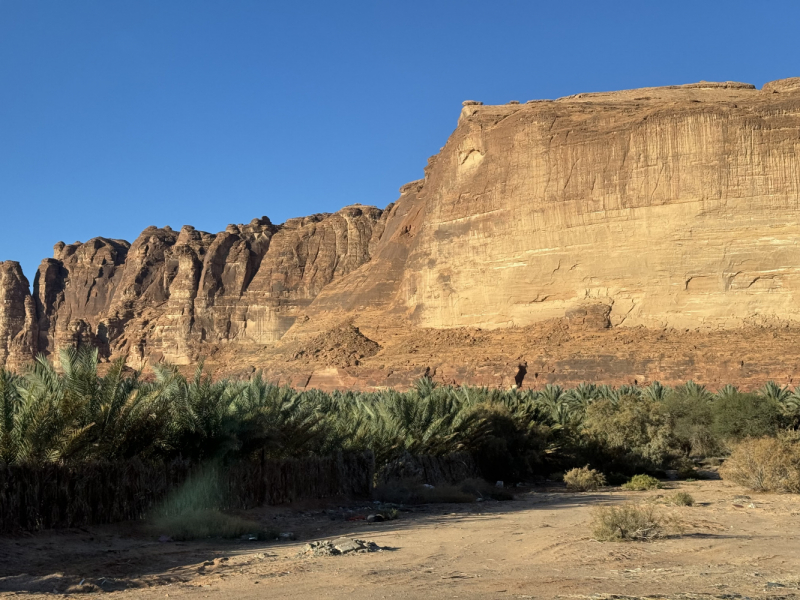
column 176, row 296
column 18, row 328
column 673, row 209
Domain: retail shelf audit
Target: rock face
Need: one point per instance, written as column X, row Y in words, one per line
column 673, row 207
column 670, row 209
column 17, row 317
column 175, row 296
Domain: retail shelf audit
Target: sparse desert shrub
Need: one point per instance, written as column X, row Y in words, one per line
column 630, row 522
column 639, row 483
column 584, row 479
column 738, row 416
column 765, row 464
column 616, row 478
column 680, row 499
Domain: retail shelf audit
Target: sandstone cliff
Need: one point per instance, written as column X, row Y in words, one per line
column 176, row 296
column 673, row 207
column 670, row 212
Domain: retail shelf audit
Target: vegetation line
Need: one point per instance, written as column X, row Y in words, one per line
column 74, row 415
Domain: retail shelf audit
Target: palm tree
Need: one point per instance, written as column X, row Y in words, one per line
column 655, row 392
column 695, row 390
column 9, row 411
column 727, row 391
column 775, row 392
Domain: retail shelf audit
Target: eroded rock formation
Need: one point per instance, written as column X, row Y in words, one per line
column 18, row 330
column 175, row 296
column 674, row 209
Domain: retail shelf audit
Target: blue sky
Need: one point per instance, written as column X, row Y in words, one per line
column 119, row 114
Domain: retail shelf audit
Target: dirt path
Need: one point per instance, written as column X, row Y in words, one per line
column 537, row 546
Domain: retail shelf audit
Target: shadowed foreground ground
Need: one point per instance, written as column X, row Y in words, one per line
column 538, row 546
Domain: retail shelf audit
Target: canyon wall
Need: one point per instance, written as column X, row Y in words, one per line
column 177, row 296
column 673, row 209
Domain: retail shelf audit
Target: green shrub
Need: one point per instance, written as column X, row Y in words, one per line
column 765, row 464
column 738, row 416
column 629, row 522
column 680, row 499
column 692, row 417
column 640, row 483
column 584, row 479
column 634, row 431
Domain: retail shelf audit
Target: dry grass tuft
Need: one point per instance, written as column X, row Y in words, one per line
column 584, row 479
column 680, row 499
column 631, row 522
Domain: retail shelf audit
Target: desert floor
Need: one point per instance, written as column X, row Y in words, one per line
column 734, row 543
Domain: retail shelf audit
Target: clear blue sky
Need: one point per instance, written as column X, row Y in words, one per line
column 119, row 114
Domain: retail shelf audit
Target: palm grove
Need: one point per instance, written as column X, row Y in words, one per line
column 73, row 415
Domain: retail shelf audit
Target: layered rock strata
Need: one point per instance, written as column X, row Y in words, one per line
column 673, row 209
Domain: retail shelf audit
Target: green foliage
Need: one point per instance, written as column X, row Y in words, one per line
column 641, row 482
column 73, row 414
column 9, row 412
column 738, row 416
column 584, row 479
column 692, row 416
column 193, row 511
column 634, row 431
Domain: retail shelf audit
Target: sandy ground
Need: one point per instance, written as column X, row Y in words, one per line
column 536, row 546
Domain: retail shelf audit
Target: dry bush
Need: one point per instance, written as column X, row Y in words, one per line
column 680, row 499
column 630, row 522
column 584, row 479
column 639, row 483
column 765, row 464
